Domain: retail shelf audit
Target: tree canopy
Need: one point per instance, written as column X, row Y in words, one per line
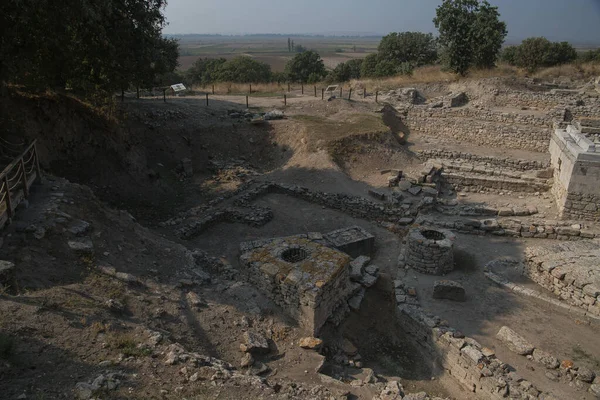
column 85, row 45
column 471, row 34
column 415, row 48
column 307, row 67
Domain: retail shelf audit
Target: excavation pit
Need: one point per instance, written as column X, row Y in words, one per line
column 430, row 251
column 294, row 255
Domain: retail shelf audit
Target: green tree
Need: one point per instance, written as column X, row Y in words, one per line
column 343, row 72
column 408, row 47
column 306, row 67
column 488, row 35
column 300, row 48
column 509, row 54
column 205, row 71
column 243, row 69
column 471, row 34
column 369, row 66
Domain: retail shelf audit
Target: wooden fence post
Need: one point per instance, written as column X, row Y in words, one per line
column 315, row 91
column 341, row 91
column 8, row 199
column 350, row 94
column 322, row 93
column 376, row 96
column 206, row 99
column 138, row 92
column 289, row 89
column 165, row 95
column 247, row 102
column 365, row 93
column 37, row 163
column 24, row 179
column 302, row 84
column 285, row 99
column 213, row 89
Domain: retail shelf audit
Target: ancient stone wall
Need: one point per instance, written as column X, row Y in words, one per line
column 430, row 251
column 487, row 161
column 478, row 183
column 569, row 270
column 479, row 132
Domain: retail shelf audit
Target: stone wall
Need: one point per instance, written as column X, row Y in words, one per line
column 569, row 270
column 484, row 133
column 488, row 161
column 430, row 251
column 494, row 184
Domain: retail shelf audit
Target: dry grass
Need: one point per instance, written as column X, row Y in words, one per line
column 427, row 74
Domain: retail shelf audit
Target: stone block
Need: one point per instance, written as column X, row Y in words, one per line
column 514, row 341
column 357, row 267
column 354, row 241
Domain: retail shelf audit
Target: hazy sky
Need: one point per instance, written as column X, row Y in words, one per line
column 572, row 20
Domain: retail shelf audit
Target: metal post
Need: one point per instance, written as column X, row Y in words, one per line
column 8, row 200
column 285, row 99
column 206, row 99
column 350, row 94
column 24, row 179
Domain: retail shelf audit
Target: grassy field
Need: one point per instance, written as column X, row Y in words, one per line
column 272, row 50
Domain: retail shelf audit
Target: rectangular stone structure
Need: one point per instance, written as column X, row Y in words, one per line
column 576, row 163
column 308, row 280
column 353, row 240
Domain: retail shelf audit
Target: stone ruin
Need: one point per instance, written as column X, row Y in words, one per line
column 307, row 275
column 430, row 251
column 576, row 162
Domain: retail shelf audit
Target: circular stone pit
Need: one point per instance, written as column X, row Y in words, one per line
column 430, row 250
column 294, row 255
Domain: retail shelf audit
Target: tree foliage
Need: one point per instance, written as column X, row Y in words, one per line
column 415, row 48
column 590, row 56
column 241, row 69
column 471, row 34
column 307, row 67
column 90, row 46
column 345, row 71
column 539, row 52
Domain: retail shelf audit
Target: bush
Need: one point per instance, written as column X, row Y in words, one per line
column 535, row 53
column 306, row 67
column 343, row 72
column 205, row 70
column 590, row 56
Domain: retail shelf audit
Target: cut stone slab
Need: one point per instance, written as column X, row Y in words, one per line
column 357, row 266
column 515, row 342
column 79, row 227
column 448, row 290
column 369, row 280
column 254, row 343
column 349, row 348
column 310, row 343
column 415, row 190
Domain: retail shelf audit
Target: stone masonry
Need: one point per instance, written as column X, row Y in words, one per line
column 307, row 279
column 576, row 162
column 430, row 251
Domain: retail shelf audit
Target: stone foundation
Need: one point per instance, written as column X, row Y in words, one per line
column 307, row 279
column 430, row 251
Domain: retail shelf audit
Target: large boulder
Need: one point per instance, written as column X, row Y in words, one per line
column 515, row 342
column 254, row 343
column 449, row 290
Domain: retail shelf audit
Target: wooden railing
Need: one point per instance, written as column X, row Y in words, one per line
column 16, row 180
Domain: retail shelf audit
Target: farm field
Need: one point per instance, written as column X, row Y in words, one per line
column 272, row 50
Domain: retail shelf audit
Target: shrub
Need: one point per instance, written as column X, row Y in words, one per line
column 538, row 52
column 306, row 67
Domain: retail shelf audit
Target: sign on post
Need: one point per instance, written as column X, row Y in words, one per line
column 178, row 87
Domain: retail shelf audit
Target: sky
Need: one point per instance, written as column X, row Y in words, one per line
column 577, row 21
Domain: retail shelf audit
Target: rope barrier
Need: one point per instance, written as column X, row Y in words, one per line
column 15, row 186
column 10, row 143
column 17, row 174
column 30, row 157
